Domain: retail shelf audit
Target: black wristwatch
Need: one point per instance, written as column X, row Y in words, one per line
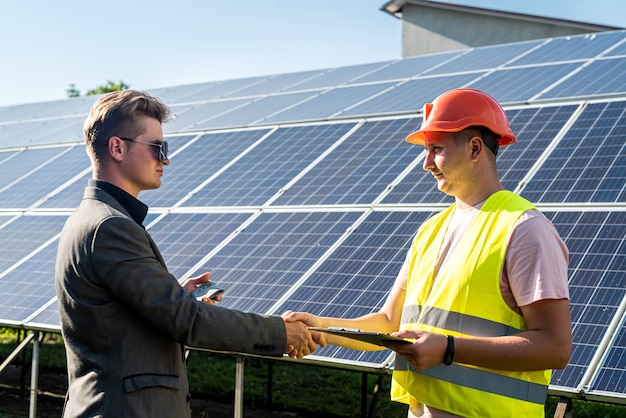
column 448, row 357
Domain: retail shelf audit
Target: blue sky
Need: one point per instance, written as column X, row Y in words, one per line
column 48, row 45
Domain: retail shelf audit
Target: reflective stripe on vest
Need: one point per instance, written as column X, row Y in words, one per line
column 482, row 380
column 470, row 325
column 466, row 300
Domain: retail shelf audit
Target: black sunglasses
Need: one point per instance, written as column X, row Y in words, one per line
column 162, row 146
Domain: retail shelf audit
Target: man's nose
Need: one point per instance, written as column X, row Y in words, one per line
column 429, row 162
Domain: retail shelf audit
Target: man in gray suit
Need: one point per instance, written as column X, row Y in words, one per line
column 125, row 319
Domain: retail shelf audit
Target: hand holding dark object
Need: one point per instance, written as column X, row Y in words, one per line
column 201, row 283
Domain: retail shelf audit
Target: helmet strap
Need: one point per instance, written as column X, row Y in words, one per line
column 490, row 139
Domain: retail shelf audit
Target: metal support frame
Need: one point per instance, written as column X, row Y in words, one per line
column 36, row 337
column 367, row 408
column 375, row 394
column 239, row 375
column 34, row 375
column 17, row 351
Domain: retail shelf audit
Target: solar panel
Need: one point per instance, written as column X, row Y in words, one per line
column 359, row 169
column 187, row 118
column 263, row 171
column 70, row 194
column 485, row 57
column 589, row 163
column 610, row 377
column 215, row 90
column 47, row 317
column 29, row 286
column 77, row 106
column 407, row 97
column 328, row 103
column 21, row 112
column 617, row 50
column 7, row 155
column 337, row 76
column 567, row 48
column 13, row 169
column 268, row 257
column 356, row 278
column 597, row 282
column 40, row 132
column 599, row 77
column 22, row 235
column 182, row 94
column 522, row 84
column 255, row 111
column 184, row 239
column 276, row 83
column 197, row 163
column 407, row 68
column 61, row 167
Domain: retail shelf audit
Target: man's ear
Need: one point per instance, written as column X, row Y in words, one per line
column 477, row 146
column 116, row 148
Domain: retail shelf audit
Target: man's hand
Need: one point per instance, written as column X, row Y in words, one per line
column 193, row 282
column 309, row 320
column 300, row 341
column 427, row 351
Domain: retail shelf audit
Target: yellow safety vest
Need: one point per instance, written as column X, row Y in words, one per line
column 466, row 300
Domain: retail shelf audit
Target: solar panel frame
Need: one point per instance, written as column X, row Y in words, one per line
column 336, row 77
column 20, row 298
column 254, row 112
column 594, row 240
column 197, row 162
column 268, row 257
column 485, row 57
column 263, row 172
column 24, row 234
column 407, row 68
column 579, row 47
column 24, row 162
column 590, row 153
column 29, row 190
column 600, row 77
column 328, row 103
column 277, row 83
column 521, row 84
column 406, row 97
column 188, row 118
column 184, row 239
column 357, row 171
column 356, row 277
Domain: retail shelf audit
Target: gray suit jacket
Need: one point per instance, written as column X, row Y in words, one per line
column 125, row 318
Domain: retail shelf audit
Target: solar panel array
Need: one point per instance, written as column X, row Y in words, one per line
column 297, row 191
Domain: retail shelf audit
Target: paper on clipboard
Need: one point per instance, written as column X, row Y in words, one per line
column 372, row 337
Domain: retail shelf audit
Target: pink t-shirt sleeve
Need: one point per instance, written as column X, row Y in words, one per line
column 402, row 276
column 536, row 262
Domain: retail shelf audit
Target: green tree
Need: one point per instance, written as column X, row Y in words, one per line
column 72, row 91
column 109, row 87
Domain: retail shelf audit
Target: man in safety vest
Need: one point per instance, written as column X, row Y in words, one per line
column 483, row 293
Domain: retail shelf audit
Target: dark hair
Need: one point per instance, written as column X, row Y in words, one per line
column 118, row 113
column 489, row 137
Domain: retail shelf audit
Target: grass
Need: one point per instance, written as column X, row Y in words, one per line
column 321, row 391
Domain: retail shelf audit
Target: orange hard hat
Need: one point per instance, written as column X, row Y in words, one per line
column 461, row 108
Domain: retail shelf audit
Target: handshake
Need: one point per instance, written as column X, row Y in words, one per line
column 301, row 341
